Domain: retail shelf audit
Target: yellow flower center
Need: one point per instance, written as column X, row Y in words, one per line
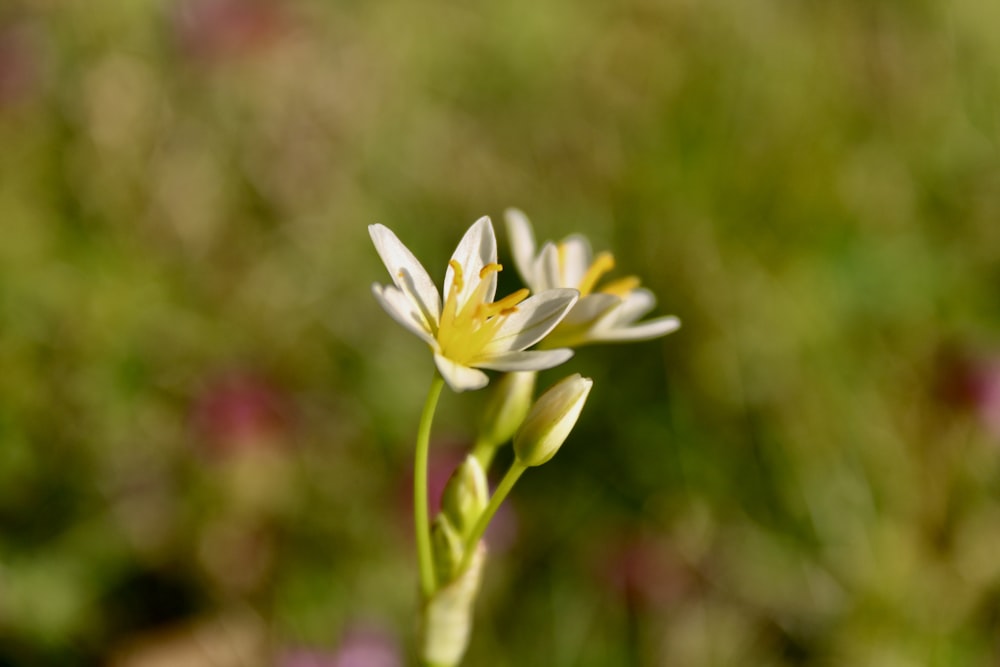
column 603, row 263
column 464, row 332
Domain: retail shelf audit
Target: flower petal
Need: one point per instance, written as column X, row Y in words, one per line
column 403, row 310
column 535, row 317
column 531, row 360
column 547, row 272
column 459, row 377
column 522, row 245
column 407, row 273
column 575, row 260
column 591, row 308
column 661, row 326
column 636, row 303
column 476, row 249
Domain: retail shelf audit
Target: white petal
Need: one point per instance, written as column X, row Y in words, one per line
column 476, row 249
column 547, row 272
column 407, row 273
column 532, row 360
column 591, row 308
column 459, row 377
column 636, row 303
column 403, row 310
column 522, row 245
column 645, row 331
column 535, row 317
column 575, row 255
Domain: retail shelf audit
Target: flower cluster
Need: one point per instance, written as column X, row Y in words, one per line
column 468, row 331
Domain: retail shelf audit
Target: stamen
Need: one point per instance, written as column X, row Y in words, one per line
column 622, row 286
column 488, row 269
column 465, row 331
column 509, row 302
column 603, row 263
column 457, row 280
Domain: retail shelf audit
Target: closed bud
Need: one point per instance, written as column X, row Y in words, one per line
column 507, row 407
column 550, row 421
column 466, row 495
column 447, row 547
column 446, row 622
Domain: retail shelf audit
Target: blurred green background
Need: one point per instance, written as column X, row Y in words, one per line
column 206, row 421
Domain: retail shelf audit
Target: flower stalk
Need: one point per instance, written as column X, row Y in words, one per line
column 499, row 495
column 506, row 408
column 421, row 517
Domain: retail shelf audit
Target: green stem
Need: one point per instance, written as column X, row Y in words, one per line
column 421, row 518
column 484, row 450
column 506, row 484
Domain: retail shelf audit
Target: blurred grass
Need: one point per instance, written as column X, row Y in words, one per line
column 202, row 408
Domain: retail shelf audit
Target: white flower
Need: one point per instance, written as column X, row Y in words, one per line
column 609, row 313
column 470, row 331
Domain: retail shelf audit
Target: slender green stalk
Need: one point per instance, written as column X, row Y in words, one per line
column 484, row 451
column 421, row 518
column 506, row 484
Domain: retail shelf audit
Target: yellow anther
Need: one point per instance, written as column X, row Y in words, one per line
column 457, row 281
column 622, row 286
column 466, row 329
column 603, row 263
column 510, row 301
column 488, row 269
column 506, row 305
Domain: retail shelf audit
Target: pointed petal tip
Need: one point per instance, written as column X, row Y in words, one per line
column 637, row 332
column 670, row 323
column 483, row 221
column 514, row 215
column 460, row 378
column 565, row 354
column 522, row 245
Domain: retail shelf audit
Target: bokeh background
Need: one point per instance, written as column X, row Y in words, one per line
column 206, row 421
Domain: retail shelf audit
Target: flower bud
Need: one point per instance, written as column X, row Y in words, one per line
column 551, row 419
column 446, row 622
column 507, row 407
column 447, row 547
column 466, row 495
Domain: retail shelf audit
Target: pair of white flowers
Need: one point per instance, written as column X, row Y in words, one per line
column 468, row 330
